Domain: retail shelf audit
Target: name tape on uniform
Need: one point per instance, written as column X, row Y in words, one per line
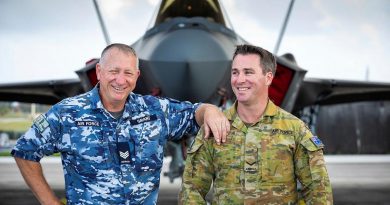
column 143, row 119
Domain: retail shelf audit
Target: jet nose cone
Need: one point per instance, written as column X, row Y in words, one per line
column 187, row 63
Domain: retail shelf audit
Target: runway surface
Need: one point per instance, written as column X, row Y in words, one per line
column 356, row 179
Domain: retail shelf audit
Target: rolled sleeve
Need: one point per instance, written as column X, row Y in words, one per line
column 28, row 146
column 39, row 140
column 181, row 119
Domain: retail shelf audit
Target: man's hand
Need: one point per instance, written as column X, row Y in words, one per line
column 214, row 120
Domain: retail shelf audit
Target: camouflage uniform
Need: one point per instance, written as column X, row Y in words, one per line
column 105, row 160
column 259, row 164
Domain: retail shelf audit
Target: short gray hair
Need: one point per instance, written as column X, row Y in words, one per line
column 122, row 47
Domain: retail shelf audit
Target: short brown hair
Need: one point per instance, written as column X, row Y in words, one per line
column 267, row 59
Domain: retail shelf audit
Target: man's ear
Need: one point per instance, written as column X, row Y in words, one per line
column 98, row 70
column 139, row 72
column 268, row 78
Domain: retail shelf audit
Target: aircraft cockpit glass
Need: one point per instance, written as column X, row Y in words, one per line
column 209, row 9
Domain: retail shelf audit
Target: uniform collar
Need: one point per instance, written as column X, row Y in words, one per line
column 134, row 104
column 232, row 115
column 96, row 103
column 131, row 104
column 271, row 109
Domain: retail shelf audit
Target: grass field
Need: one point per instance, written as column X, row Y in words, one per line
column 5, row 154
column 15, row 122
column 13, row 126
column 16, row 126
column 8, row 154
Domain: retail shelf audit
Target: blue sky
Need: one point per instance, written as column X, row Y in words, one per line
column 341, row 39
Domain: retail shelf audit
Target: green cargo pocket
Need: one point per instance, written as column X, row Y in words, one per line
column 276, row 165
column 195, row 145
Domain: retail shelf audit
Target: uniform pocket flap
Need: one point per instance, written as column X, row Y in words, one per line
column 195, row 145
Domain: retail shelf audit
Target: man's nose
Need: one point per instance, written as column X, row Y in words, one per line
column 241, row 78
column 120, row 78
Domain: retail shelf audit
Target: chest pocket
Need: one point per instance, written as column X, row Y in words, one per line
column 276, row 155
column 228, row 157
column 228, row 161
column 149, row 140
column 90, row 149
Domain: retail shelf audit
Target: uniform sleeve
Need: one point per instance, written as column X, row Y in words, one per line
column 311, row 170
column 40, row 139
column 181, row 119
column 198, row 173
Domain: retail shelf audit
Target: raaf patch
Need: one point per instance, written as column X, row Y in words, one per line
column 317, row 142
column 41, row 123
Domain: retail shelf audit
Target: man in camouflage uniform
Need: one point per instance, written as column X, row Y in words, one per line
column 267, row 149
column 110, row 139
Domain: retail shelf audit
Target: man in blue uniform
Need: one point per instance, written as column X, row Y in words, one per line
column 110, row 139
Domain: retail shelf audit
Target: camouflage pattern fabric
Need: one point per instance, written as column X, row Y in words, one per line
column 105, row 160
column 259, row 164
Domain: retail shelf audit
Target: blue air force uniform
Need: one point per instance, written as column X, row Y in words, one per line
column 105, row 160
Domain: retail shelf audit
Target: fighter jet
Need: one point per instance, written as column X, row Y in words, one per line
column 187, row 54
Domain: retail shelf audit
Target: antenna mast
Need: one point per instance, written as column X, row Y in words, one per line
column 281, row 34
column 102, row 25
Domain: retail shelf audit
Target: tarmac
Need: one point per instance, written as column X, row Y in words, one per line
column 355, row 179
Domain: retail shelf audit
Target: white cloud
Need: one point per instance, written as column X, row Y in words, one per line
column 153, row 2
column 111, row 9
column 45, row 57
column 371, row 33
column 333, row 39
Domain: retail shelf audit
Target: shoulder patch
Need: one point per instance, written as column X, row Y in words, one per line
column 41, row 123
column 317, row 142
